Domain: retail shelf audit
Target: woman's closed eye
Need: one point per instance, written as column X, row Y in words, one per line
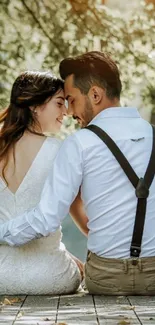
column 60, row 104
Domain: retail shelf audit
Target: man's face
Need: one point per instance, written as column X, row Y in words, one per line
column 79, row 105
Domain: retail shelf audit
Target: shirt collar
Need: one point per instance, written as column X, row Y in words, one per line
column 112, row 112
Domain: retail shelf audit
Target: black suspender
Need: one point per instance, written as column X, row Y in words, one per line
column 141, row 185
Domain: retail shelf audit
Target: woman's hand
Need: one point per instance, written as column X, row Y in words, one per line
column 79, row 264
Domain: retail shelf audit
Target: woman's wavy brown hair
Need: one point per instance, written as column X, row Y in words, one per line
column 30, row 89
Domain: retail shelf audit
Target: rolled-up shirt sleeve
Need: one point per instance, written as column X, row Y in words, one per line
column 60, row 189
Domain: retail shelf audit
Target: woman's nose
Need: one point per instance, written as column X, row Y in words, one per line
column 64, row 111
column 70, row 110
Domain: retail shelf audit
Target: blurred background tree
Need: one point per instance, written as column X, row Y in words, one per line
column 38, row 34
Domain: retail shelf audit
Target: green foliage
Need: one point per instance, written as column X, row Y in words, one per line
column 38, row 34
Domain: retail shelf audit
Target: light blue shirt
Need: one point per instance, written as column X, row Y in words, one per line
column 108, row 196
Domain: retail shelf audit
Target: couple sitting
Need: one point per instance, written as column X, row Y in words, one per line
column 42, row 180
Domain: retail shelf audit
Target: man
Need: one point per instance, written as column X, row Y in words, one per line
column 114, row 262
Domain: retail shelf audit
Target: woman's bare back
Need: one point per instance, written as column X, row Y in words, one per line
column 26, row 151
column 19, row 265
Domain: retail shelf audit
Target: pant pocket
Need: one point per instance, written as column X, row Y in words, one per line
column 99, row 278
column 100, row 287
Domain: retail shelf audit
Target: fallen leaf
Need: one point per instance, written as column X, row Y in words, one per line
column 68, row 304
column 124, row 322
column 118, row 300
column 20, row 314
column 82, row 294
column 89, row 312
column 10, row 301
column 15, row 300
column 46, row 319
column 6, row 302
column 128, row 307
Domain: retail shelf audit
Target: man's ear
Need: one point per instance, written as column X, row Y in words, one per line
column 96, row 94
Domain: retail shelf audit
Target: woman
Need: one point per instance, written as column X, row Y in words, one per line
column 42, row 266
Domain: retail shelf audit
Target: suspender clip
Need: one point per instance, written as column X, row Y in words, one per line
column 142, row 191
column 135, row 251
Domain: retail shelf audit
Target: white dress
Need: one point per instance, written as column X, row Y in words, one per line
column 43, row 266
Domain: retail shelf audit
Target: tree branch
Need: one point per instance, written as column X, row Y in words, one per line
column 41, row 27
column 117, row 37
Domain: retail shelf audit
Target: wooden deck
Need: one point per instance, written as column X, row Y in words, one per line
column 77, row 309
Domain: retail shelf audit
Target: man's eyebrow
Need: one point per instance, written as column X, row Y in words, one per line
column 67, row 97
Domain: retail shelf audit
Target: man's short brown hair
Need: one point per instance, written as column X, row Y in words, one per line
column 93, row 68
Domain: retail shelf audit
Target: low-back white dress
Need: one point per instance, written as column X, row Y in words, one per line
column 42, row 266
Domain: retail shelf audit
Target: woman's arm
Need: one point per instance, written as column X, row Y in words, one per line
column 78, row 214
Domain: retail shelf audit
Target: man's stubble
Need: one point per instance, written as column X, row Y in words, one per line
column 88, row 112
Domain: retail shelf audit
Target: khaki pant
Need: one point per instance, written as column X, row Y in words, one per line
column 111, row 276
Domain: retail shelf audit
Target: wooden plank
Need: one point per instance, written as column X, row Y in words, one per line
column 9, row 307
column 113, row 310
column 38, row 310
column 144, row 308
column 77, row 309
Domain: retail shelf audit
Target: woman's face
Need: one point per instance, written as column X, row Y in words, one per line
column 50, row 114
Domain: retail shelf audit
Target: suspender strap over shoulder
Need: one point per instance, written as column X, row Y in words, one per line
column 141, row 185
